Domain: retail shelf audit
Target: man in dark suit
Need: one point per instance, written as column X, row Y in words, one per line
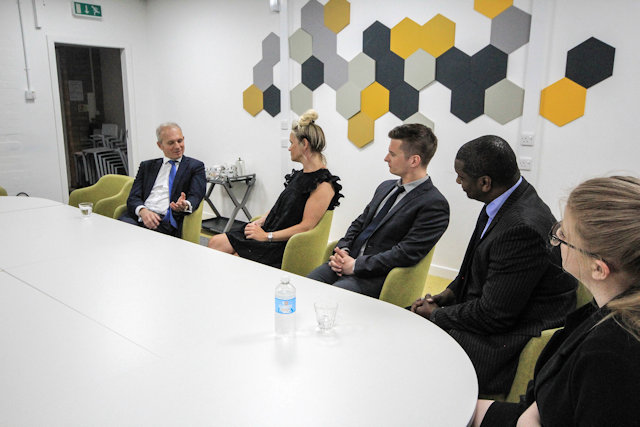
column 400, row 225
column 511, row 284
column 168, row 188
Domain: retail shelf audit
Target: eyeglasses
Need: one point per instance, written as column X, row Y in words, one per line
column 557, row 241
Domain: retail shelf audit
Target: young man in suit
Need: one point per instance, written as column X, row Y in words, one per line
column 168, row 188
column 511, row 284
column 400, row 225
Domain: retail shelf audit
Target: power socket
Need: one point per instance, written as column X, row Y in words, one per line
column 525, row 163
column 526, row 139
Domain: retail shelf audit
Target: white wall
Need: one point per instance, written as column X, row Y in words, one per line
column 189, row 62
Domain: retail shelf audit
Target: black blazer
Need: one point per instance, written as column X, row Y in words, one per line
column 510, row 287
column 405, row 235
column 190, row 179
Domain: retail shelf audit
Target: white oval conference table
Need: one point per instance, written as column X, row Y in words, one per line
column 103, row 323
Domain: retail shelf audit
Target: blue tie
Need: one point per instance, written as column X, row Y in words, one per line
column 172, row 175
column 368, row 231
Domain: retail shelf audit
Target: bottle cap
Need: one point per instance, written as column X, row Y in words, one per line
column 284, row 279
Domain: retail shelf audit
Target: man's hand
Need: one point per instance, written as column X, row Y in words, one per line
column 150, row 219
column 181, row 205
column 341, row 262
column 255, row 232
column 425, row 306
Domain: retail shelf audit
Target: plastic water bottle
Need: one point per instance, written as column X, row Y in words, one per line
column 240, row 167
column 285, row 315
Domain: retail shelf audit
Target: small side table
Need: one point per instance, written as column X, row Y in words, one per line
column 221, row 224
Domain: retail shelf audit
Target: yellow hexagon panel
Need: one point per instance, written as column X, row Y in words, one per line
column 252, row 100
column 492, row 8
column 563, row 101
column 336, row 15
column 374, row 100
column 405, row 38
column 360, row 129
column 438, row 35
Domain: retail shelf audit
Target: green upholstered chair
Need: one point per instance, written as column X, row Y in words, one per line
column 192, row 225
column 108, row 205
column 305, row 251
column 107, row 186
column 583, row 296
column 403, row 285
column 119, row 211
column 3, row 192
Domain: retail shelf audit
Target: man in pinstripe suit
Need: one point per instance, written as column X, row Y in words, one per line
column 511, row 284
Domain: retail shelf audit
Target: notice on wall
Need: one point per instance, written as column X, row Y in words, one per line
column 75, row 90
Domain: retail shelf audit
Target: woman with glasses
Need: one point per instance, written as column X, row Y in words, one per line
column 589, row 372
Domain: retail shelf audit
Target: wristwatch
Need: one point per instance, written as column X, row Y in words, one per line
column 270, row 236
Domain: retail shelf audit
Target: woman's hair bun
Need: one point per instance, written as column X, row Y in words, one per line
column 308, row 117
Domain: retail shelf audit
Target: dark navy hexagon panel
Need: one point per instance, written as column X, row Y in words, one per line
column 488, row 66
column 590, row 62
column 271, row 100
column 467, row 101
column 312, row 73
column 376, row 40
column 453, row 67
column 403, row 101
column 390, row 70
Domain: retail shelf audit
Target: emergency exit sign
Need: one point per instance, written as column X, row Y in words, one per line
column 87, row 10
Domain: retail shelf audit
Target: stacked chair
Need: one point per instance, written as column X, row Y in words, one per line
column 102, row 153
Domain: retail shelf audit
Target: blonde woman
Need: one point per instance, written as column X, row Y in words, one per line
column 307, row 195
column 589, row 372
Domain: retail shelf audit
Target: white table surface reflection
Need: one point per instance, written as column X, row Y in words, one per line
column 116, row 325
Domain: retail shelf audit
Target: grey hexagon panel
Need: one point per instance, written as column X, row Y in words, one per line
column 300, row 46
column 271, row 49
column 325, row 44
column 312, row 17
column 503, row 101
column 336, row 72
column 263, row 75
column 301, row 99
column 348, row 100
column 422, row 119
column 420, row 69
column 362, row 70
column 510, row 30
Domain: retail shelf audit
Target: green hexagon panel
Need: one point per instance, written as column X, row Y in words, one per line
column 362, row 70
column 503, row 101
column 420, row 69
column 300, row 46
column 348, row 100
column 422, row 119
column 301, row 99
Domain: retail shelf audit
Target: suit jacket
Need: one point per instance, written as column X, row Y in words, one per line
column 190, row 179
column 510, row 287
column 405, row 235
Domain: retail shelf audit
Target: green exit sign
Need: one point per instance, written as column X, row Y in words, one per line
column 87, row 10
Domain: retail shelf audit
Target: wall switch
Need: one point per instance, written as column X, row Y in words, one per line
column 525, row 163
column 526, row 139
column 30, row 95
column 284, row 125
column 284, row 143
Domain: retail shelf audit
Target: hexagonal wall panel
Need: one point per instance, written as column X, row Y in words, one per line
column 488, row 66
column 420, row 69
column 510, row 30
column 348, row 100
column 491, row 8
column 324, row 43
column 503, row 101
column 390, row 70
column 336, row 72
column 271, row 49
column 271, row 100
column 312, row 73
column 422, row 119
column 438, row 35
column 252, row 100
column 360, row 129
column 312, row 17
column 376, row 40
column 563, row 101
column 590, row 62
column 453, row 67
column 405, row 38
column 374, row 101
column 362, row 70
column 300, row 47
column 403, row 101
column 467, row 101
column 301, row 99
column 263, row 75
column 336, row 15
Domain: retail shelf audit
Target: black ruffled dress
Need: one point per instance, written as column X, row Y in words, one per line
column 286, row 212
